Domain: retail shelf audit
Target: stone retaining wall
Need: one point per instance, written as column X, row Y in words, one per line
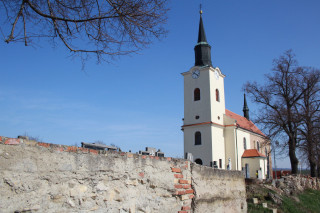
column 43, row 177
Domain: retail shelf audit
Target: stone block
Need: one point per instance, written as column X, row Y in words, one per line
column 264, row 205
column 274, row 210
column 30, row 142
column 185, row 197
column 255, row 200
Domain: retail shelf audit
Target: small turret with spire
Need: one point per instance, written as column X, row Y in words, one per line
column 245, row 108
column 202, row 49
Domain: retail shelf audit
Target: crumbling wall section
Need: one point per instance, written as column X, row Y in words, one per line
column 43, row 177
column 218, row 190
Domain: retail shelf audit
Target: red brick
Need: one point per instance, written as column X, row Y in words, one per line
column 191, row 196
column 129, row 155
column 183, row 181
column 151, row 157
column 178, row 175
column 169, row 159
column 178, row 170
column 186, row 208
column 12, row 141
column 44, row 144
column 122, row 153
column 85, row 150
column 72, row 149
column 141, row 174
column 157, row 158
column 187, row 186
column 189, row 191
column 182, row 212
column 0, row 138
column 178, row 186
column 144, row 156
column 93, row 151
column 180, row 192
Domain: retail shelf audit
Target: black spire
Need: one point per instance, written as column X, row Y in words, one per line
column 245, row 108
column 202, row 50
column 201, row 34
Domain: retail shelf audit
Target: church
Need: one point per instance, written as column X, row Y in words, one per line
column 213, row 135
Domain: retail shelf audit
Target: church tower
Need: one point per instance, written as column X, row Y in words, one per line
column 204, row 107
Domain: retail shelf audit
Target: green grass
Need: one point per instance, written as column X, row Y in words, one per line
column 257, row 208
column 309, row 202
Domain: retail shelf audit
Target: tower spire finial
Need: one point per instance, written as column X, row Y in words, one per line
column 202, row 48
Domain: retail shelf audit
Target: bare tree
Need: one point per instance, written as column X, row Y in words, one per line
column 278, row 98
column 106, row 28
column 309, row 110
column 318, row 147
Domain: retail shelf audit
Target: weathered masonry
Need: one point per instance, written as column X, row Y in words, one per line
column 47, row 177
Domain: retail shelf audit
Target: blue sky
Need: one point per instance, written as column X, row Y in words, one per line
column 137, row 101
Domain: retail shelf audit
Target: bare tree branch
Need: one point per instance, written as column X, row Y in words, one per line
column 106, row 28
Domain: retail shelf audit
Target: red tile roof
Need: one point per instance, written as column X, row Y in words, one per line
column 249, row 153
column 244, row 123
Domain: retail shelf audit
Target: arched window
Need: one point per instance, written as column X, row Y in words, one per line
column 217, row 95
column 198, row 161
column 197, row 94
column 266, row 150
column 197, row 138
column 244, row 144
column 258, row 146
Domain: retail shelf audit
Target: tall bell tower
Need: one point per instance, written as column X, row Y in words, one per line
column 204, row 107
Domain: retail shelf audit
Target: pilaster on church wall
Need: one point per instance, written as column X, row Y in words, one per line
column 230, row 146
column 217, row 107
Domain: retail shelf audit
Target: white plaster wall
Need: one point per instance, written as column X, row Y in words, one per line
column 240, row 135
column 254, row 165
column 201, row 107
column 203, row 151
column 213, row 147
column 263, row 166
column 230, row 147
column 218, row 144
column 218, row 109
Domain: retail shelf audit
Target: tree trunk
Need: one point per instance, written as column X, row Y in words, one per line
column 313, row 170
column 318, row 167
column 312, row 159
column 293, row 158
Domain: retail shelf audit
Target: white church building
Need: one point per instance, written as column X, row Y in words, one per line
column 213, row 135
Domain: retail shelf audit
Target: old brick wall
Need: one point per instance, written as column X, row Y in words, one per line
column 42, row 177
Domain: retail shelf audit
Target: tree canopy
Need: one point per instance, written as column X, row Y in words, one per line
column 289, row 101
column 105, row 28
